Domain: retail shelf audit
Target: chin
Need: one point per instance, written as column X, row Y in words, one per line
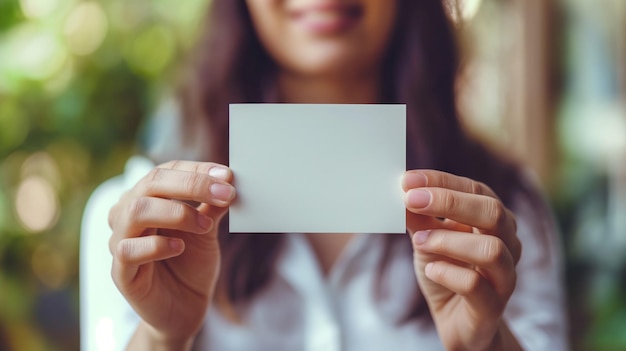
column 330, row 64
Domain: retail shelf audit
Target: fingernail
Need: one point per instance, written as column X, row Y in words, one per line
column 205, row 222
column 222, row 191
column 421, row 237
column 414, row 180
column 219, row 172
column 418, row 198
column 176, row 244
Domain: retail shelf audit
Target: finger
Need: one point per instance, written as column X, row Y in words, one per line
column 486, row 213
column 456, row 226
column 468, row 283
column 437, row 179
column 417, row 222
column 130, row 254
column 153, row 212
column 487, row 253
column 145, row 249
column 216, row 213
column 498, row 214
column 215, row 170
column 186, row 186
column 480, row 211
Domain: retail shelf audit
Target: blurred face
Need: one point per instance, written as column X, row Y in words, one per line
column 324, row 37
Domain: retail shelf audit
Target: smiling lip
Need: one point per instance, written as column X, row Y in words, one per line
column 327, row 18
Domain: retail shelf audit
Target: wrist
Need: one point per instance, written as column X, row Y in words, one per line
column 504, row 340
column 156, row 341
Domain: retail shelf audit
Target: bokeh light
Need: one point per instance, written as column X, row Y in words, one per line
column 464, row 10
column 151, row 50
column 42, row 164
column 50, row 266
column 59, row 82
column 596, row 133
column 38, row 8
column 76, row 78
column 85, row 28
column 128, row 15
column 31, row 51
column 469, row 8
column 36, row 204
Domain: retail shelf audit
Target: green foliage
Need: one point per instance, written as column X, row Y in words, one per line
column 10, row 13
column 77, row 78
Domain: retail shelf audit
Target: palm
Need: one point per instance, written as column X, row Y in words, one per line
column 456, row 318
column 182, row 286
column 458, row 321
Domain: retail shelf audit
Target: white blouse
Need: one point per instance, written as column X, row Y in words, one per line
column 301, row 309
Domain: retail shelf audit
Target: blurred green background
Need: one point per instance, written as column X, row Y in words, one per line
column 79, row 79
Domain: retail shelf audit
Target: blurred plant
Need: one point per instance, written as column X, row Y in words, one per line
column 76, row 80
column 78, row 77
column 591, row 199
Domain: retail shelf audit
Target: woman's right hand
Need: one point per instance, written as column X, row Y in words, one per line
column 165, row 251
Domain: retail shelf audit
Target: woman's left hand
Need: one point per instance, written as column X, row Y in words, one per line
column 465, row 252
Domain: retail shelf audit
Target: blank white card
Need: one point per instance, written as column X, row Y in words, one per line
column 315, row 168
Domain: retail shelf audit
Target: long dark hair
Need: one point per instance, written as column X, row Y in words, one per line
column 420, row 69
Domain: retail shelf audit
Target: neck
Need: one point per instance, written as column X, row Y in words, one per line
column 328, row 247
column 335, row 90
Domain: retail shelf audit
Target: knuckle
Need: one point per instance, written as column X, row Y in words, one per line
column 123, row 251
column 138, row 207
column 438, row 243
column 495, row 251
column 149, row 245
column 194, row 183
column 472, row 283
column 476, row 187
column 437, row 271
column 150, row 182
column 178, row 214
column 443, row 180
column 169, row 164
column 127, row 250
column 197, row 167
column 497, row 213
column 449, row 201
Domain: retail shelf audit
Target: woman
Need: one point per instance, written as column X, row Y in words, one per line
column 460, row 283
